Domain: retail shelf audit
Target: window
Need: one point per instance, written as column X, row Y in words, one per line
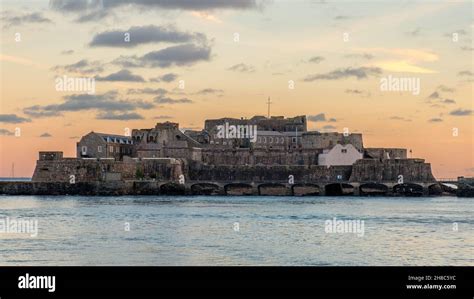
column 111, row 148
column 282, row 140
column 293, row 139
column 344, row 151
column 99, row 148
column 264, row 139
column 84, row 150
column 271, row 140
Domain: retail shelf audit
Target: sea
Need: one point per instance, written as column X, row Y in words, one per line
column 234, row 231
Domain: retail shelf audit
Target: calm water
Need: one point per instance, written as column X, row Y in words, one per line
column 272, row 231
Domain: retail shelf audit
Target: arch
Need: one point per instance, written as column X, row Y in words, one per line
column 435, row 189
column 238, row 189
column 172, row 189
column 408, row 189
column 273, row 189
column 305, row 190
column 204, row 189
column 339, row 189
column 373, row 189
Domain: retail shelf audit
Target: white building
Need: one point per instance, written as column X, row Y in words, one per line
column 340, row 155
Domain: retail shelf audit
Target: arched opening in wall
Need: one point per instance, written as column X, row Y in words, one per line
column 339, row 189
column 172, row 189
column 408, row 189
column 238, row 189
column 435, row 189
column 272, row 189
column 205, row 189
column 305, row 190
column 373, row 189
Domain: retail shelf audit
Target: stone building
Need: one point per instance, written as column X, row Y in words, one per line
column 340, row 155
column 102, row 146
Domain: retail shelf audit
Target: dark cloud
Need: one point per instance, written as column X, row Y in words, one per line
column 444, row 88
column 332, row 120
column 449, row 101
column 400, row 118
column 83, row 66
column 242, row 67
column 316, row 59
column 46, row 135
column 144, row 35
column 121, row 76
column 118, row 116
column 360, row 55
column 170, row 77
column 317, row 117
column 13, row 119
column 435, row 120
column 163, row 117
column 210, row 91
column 466, row 73
column 106, row 102
column 35, row 18
column 155, row 91
column 461, row 112
column 341, row 18
column 434, row 95
column 359, row 73
column 168, row 100
column 415, row 32
column 93, row 16
column 4, row 132
column 329, row 127
column 181, row 55
column 88, row 5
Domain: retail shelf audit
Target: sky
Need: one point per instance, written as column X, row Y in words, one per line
column 188, row 61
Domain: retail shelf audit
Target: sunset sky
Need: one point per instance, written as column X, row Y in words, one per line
column 323, row 59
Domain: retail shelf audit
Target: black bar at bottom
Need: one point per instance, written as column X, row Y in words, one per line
column 243, row 282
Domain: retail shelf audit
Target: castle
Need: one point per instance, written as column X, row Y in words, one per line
column 260, row 155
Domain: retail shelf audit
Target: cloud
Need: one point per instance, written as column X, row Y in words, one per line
column 144, row 35
column 329, row 127
column 13, row 119
column 168, row 100
column 449, row 101
column 147, row 90
column 67, row 52
column 340, row 18
column 4, row 132
column 316, row 59
column 415, row 32
column 242, row 67
column 46, row 135
column 35, row 18
column 400, row 118
column 360, row 55
column 435, row 120
column 204, row 5
column 210, row 91
column 118, row 116
column 181, row 55
column 170, row 77
column 466, row 73
column 359, row 73
column 317, row 117
column 121, row 76
column 444, row 88
column 83, row 66
column 163, row 117
column 106, row 102
column 434, row 95
column 332, row 120
column 461, row 112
